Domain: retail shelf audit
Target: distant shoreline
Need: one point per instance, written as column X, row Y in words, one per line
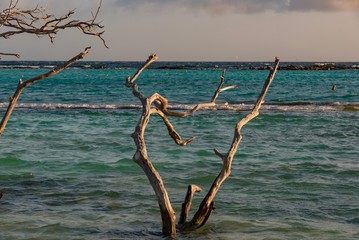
column 120, row 65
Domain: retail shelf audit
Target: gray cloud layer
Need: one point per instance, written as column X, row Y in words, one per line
column 248, row 6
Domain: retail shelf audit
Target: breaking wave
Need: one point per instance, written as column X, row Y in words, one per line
column 289, row 106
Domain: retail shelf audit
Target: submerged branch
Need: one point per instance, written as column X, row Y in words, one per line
column 157, row 104
column 142, row 159
column 206, row 205
column 186, row 206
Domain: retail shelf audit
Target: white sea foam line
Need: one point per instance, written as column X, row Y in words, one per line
column 322, row 107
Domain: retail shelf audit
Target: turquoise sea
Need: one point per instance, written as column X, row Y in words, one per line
column 66, row 169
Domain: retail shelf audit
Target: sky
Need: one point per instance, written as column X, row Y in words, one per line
column 202, row 30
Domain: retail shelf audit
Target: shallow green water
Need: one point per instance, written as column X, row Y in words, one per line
column 292, row 178
column 66, row 172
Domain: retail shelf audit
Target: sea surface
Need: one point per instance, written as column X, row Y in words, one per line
column 66, row 169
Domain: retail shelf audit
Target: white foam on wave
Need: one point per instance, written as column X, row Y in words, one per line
column 286, row 107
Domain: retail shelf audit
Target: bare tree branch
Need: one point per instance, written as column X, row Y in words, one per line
column 142, row 159
column 130, row 81
column 220, row 89
column 157, row 104
column 9, row 54
column 171, row 130
column 37, row 21
column 206, row 206
column 186, row 206
column 162, row 103
column 22, row 85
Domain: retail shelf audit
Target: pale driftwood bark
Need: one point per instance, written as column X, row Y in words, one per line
column 141, row 157
column 163, row 105
column 22, row 85
column 37, row 21
column 186, row 206
column 207, row 204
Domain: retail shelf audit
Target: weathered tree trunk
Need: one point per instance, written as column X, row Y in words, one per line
column 160, row 107
column 22, row 85
column 142, row 159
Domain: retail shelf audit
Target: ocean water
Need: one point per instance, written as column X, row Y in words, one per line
column 66, row 169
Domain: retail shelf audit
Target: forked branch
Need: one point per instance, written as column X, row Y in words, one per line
column 163, row 105
column 157, row 104
column 22, row 85
column 206, row 205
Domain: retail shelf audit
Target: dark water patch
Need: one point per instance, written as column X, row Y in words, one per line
column 315, row 167
column 66, row 230
column 347, row 173
column 354, row 220
column 10, row 176
column 13, row 162
column 94, row 167
column 133, row 233
column 351, row 109
column 204, row 153
column 128, row 166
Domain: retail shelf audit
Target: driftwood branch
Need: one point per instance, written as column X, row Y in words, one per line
column 142, row 159
column 206, row 205
column 171, row 130
column 163, row 104
column 9, row 54
column 186, row 206
column 22, row 85
column 157, row 104
column 37, row 21
column 220, row 89
column 152, row 58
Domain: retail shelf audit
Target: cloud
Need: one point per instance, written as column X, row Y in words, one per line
column 246, row 6
column 324, row 5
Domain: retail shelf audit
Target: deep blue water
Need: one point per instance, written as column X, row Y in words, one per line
column 65, row 157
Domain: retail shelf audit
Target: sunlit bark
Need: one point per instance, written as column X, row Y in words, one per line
column 157, row 104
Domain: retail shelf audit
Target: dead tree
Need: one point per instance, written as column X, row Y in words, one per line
column 38, row 22
column 157, row 104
